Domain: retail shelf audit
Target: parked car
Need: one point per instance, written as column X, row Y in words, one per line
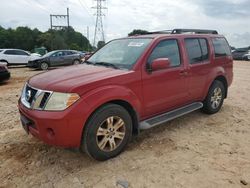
column 130, row 84
column 56, row 58
column 15, row 56
column 246, row 57
column 4, row 73
column 239, row 53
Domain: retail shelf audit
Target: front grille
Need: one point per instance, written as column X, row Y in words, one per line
column 30, row 94
column 34, row 98
column 44, row 100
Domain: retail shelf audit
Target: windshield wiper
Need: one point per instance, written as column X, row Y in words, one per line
column 107, row 64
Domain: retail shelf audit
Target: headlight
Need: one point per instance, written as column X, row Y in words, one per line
column 61, row 101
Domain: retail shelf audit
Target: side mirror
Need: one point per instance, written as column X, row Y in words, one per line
column 160, row 63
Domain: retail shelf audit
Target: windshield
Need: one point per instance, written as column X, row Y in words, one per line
column 49, row 54
column 122, row 53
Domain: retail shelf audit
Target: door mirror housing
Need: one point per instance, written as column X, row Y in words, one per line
column 160, row 64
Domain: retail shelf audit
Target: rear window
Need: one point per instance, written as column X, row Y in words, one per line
column 197, row 50
column 10, row 52
column 221, row 47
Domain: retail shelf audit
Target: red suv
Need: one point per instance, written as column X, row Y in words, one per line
column 130, row 84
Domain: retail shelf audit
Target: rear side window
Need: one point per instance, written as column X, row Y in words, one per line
column 221, row 47
column 10, row 52
column 166, row 49
column 197, row 50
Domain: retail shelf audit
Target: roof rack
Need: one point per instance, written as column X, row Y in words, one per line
column 194, row 31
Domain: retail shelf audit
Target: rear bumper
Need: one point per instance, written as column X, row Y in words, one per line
column 4, row 76
column 62, row 129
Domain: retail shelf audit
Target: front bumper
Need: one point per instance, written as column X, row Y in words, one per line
column 4, row 76
column 33, row 64
column 62, row 128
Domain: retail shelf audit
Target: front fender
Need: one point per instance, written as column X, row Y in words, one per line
column 105, row 94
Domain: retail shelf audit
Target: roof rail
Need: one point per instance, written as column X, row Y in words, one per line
column 195, row 31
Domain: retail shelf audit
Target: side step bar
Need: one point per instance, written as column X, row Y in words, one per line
column 157, row 120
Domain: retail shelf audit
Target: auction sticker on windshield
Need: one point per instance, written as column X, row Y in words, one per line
column 135, row 44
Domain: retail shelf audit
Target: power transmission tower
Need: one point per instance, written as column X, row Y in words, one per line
column 99, row 32
column 60, row 16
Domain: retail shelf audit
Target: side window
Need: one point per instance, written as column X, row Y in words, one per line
column 197, row 50
column 204, row 49
column 166, row 49
column 10, row 52
column 221, row 47
column 19, row 52
column 194, row 50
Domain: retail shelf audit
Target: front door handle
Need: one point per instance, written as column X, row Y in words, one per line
column 183, row 73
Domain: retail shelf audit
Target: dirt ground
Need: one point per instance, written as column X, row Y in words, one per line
column 196, row 150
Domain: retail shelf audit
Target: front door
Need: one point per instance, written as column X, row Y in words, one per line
column 165, row 89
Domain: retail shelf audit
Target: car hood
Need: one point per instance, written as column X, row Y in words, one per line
column 35, row 57
column 70, row 79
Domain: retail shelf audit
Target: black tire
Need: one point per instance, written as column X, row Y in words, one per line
column 44, row 66
column 209, row 104
column 76, row 62
column 99, row 118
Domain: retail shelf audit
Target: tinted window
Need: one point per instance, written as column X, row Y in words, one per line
column 204, row 49
column 166, row 49
column 10, row 52
column 19, row 52
column 197, row 50
column 16, row 52
column 58, row 54
column 193, row 50
column 221, row 47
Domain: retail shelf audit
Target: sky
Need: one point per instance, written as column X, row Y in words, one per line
column 229, row 17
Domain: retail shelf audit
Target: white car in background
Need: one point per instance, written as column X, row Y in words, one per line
column 16, row 56
column 246, row 57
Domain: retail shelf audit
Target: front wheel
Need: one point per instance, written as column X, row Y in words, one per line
column 76, row 62
column 215, row 98
column 107, row 132
column 44, row 66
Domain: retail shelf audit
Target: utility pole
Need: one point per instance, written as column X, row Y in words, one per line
column 99, row 32
column 59, row 16
column 88, row 37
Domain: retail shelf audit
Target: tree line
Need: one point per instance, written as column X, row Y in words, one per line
column 28, row 39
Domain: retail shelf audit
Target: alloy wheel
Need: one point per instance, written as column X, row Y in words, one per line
column 110, row 133
column 216, row 98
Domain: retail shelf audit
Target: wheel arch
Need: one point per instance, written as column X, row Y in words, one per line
column 223, row 79
column 127, row 106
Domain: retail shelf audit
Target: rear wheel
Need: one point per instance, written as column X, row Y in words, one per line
column 215, row 98
column 107, row 132
column 44, row 66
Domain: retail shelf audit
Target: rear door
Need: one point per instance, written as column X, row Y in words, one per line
column 69, row 57
column 11, row 56
column 164, row 89
column 198, row 56
column 22, row 56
